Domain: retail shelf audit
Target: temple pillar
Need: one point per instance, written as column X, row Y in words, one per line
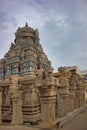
column 71, row 100
column 63, row 91
column 17, row 118
column 84, row 92
column 62, row 97
column 48, row 108
column 16, row 97
column 48, row 92
column 31, row 105
column 72, row 88
column 0, row 106
column 62, row 101
column 78, row 94
column 78, row 98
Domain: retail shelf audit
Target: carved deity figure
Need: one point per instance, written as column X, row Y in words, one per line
column 40, row 72
column 72, row 83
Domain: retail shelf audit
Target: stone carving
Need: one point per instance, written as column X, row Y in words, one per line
column 31, row 103
column 62, row 92
column 40, row 73
column 63, row 96
column 71, row 96
column 0, row 106
column 16, row 97
column 47, row 89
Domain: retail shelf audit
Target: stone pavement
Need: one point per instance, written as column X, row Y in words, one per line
column 6, row 127
column 70, row 116
column 78, row 123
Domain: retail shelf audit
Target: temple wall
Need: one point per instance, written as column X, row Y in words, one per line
column 31, row 99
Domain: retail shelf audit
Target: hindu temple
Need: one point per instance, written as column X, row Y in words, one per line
column 29, row 90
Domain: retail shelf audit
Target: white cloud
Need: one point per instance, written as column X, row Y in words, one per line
column 62, row 25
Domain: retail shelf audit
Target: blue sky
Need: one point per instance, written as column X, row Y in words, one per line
column 62, row 25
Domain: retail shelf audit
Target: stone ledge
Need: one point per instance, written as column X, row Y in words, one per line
column 58, row 123
column 62, row 121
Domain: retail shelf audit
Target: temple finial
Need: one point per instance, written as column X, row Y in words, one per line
column 26, row 24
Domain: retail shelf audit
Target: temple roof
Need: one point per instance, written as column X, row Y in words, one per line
column 26, row 31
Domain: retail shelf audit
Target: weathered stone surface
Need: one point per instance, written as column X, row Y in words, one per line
column 71, row 96
column 16, row 97
column 62, row 92
column 0, row 106
column 48, row 90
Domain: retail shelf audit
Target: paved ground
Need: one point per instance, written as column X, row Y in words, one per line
column 78, row 123
column 16, row 128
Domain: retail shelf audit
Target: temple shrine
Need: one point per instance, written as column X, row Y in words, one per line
column 30, row 93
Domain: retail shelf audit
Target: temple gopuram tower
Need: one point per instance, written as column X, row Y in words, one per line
column 25, row 54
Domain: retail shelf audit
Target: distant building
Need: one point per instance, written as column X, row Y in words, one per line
column 74, row 69
column 83, row 73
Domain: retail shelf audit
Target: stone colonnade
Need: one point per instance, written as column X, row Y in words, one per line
column 58, row 95
column 71, row 93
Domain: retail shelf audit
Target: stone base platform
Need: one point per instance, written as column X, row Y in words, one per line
column 58, row 123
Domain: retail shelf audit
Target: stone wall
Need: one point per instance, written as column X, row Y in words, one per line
column 36, row 99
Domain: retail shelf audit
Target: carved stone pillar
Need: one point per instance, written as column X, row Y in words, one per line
column 47, row 106
column 72, row 88
column 62, row 97
column 78, row 97
column 84, row 92
column 15, row 93
column 0, row 106
column 31, row 105
column 78, row 93
column 71, row 100
column 17, row 118
column 62, row 92
column 47, row 89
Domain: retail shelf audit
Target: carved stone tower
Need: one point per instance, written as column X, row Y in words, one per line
column 25, row 54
